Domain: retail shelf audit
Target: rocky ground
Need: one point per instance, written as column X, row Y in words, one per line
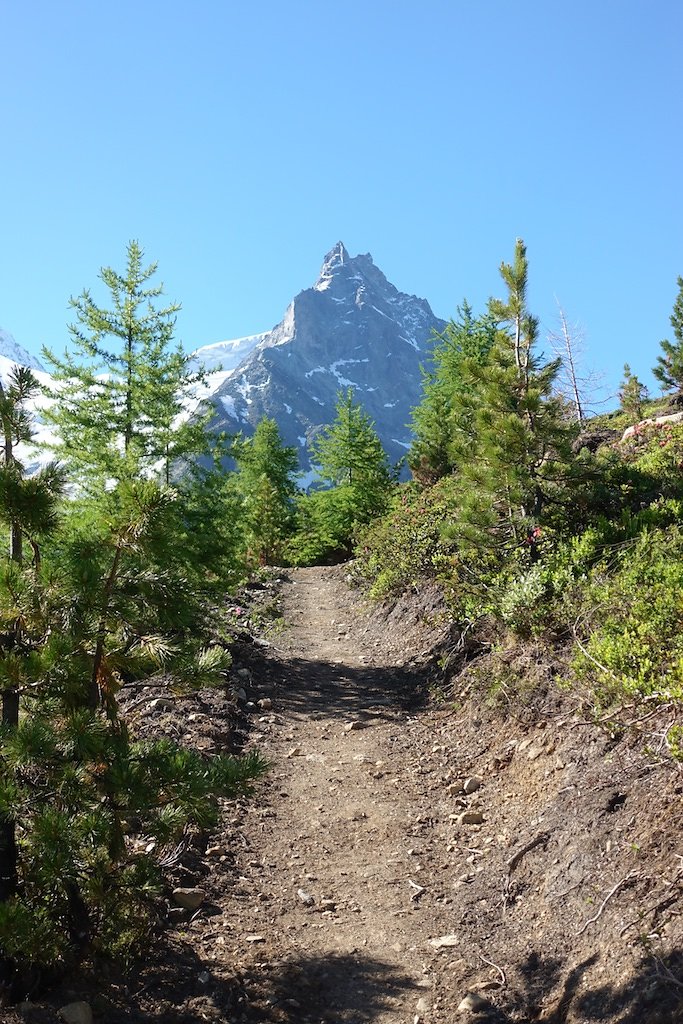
column 417, row 853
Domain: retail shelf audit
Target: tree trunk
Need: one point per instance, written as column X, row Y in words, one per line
column 8, row 846
column 94, row 690
column 10, row 707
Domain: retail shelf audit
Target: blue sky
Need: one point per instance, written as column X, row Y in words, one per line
column 239, row 141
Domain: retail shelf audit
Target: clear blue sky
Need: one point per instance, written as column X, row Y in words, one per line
column 239, row 141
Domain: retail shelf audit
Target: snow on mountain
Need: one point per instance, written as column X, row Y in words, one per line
column 352, row 328
column 224, row 354
column 13, row 353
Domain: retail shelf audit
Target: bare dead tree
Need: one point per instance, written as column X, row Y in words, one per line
column 579, row 385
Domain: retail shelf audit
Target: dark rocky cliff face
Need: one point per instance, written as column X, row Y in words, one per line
column 353, row 328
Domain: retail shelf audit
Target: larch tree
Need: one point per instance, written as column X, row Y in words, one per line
column 265, row 479
column 119, row 391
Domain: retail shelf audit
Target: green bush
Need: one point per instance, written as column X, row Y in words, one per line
column 408, row 546
column 634, row 620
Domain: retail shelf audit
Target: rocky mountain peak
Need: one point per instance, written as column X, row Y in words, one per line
column 352, row 329
column 335, row 258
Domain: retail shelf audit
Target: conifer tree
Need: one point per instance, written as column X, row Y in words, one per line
column 120, row 389
column 29, row 508
column 266, row 482
column 632, row 394
column 519, row 445
column 349, row 452
column 110, row 603
column 436, row 422
column 669, row 368
column 350, row 460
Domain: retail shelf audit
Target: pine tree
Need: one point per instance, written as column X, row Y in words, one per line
column 669, row 368
column 350, row 460
column 119, row 393
column 436, row 422
column 110, row 603
column 29, row 508
column 518, row 443
column 266, row 481
column 350, row 452
column 632, row 394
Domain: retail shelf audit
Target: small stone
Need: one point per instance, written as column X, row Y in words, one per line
column 265, row 703
column 215, row 851
column 254, row 938
column 472, row 784
column 294, row 752
column 76, row 1013
column 473, row 1003
column 444, row 941
column 470, row 818
column 203, row 977
column 189, row 898
column 242, row 693
column 328, row 905
column 455, row 787
column 534, row 752
column 244, row 673
column 354, row 726
column 161, row 704
column 424, row 1005
column 305, row 897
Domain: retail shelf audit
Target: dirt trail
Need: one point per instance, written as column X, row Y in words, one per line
column 400, row 860
column 346, row 903
column 488, row 859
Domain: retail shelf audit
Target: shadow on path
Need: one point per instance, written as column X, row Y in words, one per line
column 322, row 689
column 355, row 989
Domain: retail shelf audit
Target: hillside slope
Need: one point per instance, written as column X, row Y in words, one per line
column 414, row 859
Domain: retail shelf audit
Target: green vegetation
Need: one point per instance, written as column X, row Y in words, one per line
column 632, row 395
column 117, row 586
column 529, row 534
column 350, row 460
column 119, row 396
column 532, row 534
column 669, row 368
column 267, row 487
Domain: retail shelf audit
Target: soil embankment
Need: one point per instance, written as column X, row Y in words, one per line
column 410, row 861
column 404, row 857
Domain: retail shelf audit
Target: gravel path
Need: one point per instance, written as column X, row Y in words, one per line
column 349, row 892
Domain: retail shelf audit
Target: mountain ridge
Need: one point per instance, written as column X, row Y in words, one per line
column 351, row 329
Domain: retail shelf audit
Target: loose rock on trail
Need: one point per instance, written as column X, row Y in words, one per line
column 415, row 860
column 445, row 862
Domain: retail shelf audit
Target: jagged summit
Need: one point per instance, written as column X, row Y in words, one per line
column 336, row 257
column 352, row 328
column 338, row 266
